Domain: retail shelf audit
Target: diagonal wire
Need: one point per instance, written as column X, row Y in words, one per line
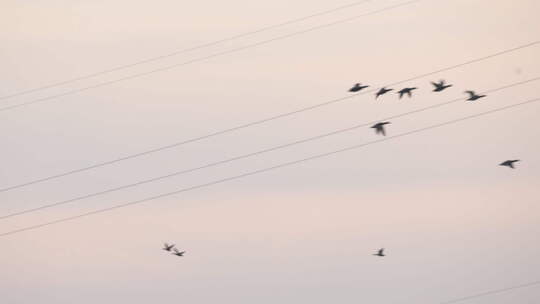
column 320, row 136
column 251, row 173
column 235, row 50
column 492, row 292
column 258, row 122
column 197, row 47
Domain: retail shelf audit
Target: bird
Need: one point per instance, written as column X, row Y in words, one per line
column 380, row 252
column 178, row 253
column 382, row 91
column 439, row 86
column 473, row 96
column 379, row 127
column 509, row 163
column 407, row 91
column 357, row 87
column 168, row 247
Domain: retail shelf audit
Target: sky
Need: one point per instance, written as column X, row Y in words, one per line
column 453, row 222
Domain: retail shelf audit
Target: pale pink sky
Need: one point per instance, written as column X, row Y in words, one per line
column 454, row 223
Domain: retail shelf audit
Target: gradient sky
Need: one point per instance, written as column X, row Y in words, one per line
column 453, row 222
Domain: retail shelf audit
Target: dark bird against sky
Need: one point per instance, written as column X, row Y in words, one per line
column 380, row 252
column 379, row 127
column 473, row 96
column 382, row 91
column 407, row 91
column 178, row 253
column 168, row 247
column 440, row 86
column 509, row 163
column 358, row 87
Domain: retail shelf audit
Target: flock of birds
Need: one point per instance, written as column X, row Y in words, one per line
column 379, row 129
column 173, row 250
column 438, row 87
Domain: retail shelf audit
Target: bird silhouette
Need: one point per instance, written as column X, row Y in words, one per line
column 380, row 252
column 379, row 127
column 358, row 87
column 473, row 96
column 178, row 253
column 168, row 247
column 440, row 86
column 407, row 91
column 382, row 91
column 509, row 163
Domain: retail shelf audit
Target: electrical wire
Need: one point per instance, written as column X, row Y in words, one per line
column 209, row 165
column 258, row 122
column 197, row 47
column 251, row 173
column 235, row 50
column 492, row 292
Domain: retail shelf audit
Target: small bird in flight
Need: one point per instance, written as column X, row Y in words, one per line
column 407, row 91
column 380, row 252
column 379, row 127
column 357, row 87
column 473, row 96
column 178, row 253
column 439, row 86
column 168, row 247
column 509, row 163
column 382, row 91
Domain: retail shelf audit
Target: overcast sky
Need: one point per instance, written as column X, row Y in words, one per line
column 453, row 222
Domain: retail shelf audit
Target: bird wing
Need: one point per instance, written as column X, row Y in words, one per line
column 381, row 251
column 383, row 131
column 470, row 93
column 435, row 84
column 381, row 91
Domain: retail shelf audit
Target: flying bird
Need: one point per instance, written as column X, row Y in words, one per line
column 168, row 247
column 382, row 91
column 379, row 127
column 509, row 163
column 407, row 91
column 357, row 87
column 473, row 96
column 439, row 86
column 380, row 252
column 178, row 253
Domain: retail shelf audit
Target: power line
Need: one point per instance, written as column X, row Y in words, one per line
column 492, row 292
column 170, row 67
column 320, row 136
column 220, row 181
column 258, row 122
column 201, row 46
